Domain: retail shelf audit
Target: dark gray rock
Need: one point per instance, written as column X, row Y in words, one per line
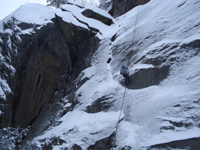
column 48, row 60
column 109, row 60
column 24, row 26
column 76, row 147
column 73, row 34
column 91, row 14
column 104, row 144
column 147, row 77
column 101, row 104
column 193, row 144
column 105, row 5
column 192, row 44
column 120, row 7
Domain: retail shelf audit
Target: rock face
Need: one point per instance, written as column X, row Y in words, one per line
column 148, row 77
column 120, row 7
column 193, row 143
column 57, row 49
column 61, row 81
column 48, row 59
column 91, row 14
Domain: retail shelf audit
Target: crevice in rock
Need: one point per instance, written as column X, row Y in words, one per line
column 109, row 60
column 39, row 79
column 114, row 37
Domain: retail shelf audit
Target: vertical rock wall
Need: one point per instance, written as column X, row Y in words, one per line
column 46, row 62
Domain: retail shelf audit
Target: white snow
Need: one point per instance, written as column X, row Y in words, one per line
column 68, row 105
column 68, row 17
column 4, row 89
column 139, row 66
column 27, row 31
column 41, row 15
column 169, row 136
column 35, row 13
column 8, row 31
column 85, row 3
column 1, row 41
column 77, row 125
column 9, row 42
column 88, row 72
column 1, row 112
column 76, row 11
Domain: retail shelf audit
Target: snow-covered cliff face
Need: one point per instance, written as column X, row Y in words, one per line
column 160, row 42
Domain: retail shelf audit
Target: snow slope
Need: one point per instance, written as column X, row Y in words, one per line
column 152, row 115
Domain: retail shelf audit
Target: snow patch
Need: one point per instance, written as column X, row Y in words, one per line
column 68, row 17
column 35, row 14
column 8, row 31
column 4, row 89
column 1, row 41
column 28, row 31
column 88, row 72
column 82, row 125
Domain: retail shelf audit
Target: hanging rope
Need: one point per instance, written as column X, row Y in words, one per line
column 120, row 110
column 136, row 20
column 125, row 86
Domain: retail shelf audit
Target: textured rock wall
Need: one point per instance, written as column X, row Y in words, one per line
column 120, row 7
column 47, row 61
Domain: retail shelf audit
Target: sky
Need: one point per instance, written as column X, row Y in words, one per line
column 8, row 6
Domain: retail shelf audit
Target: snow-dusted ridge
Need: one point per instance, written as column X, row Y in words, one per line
column 41, row 15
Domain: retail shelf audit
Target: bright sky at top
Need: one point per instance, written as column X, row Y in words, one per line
column 8, row 6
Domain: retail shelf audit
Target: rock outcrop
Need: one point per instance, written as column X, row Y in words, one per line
column 91, row 14
column 46, row 62
column 120, row 7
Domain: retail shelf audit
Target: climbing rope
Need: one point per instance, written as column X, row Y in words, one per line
column 136, row 20
column 120, row 111
column 125, row 86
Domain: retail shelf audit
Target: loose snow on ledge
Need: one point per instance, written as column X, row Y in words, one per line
column 76, row 11
column 68, row 17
